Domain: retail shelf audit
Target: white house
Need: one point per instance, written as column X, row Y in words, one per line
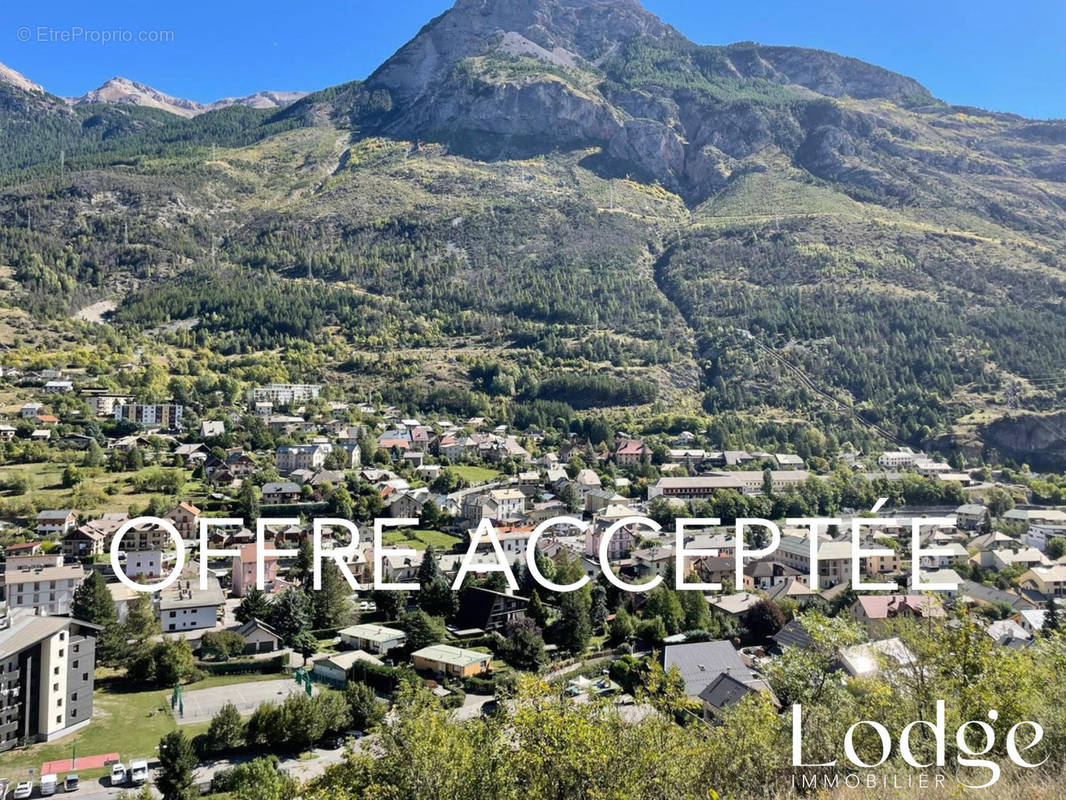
column 372, row 638
column 183, row 606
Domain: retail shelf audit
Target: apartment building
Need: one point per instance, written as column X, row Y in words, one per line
column 167, row 416
column 46, row 676
column 748, row 482
column 284, row 394
column 44, row 588
column 289, row 458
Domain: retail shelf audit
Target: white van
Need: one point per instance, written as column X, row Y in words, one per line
column 48, row 785
column 138, row 772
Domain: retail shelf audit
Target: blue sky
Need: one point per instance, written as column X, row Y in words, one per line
column 1007, row 57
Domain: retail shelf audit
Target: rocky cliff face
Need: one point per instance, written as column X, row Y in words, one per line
column 556, row 30
column 17, row 79
column 500, row 77
column 1036, row 439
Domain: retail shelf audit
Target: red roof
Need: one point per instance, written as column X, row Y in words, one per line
column 250, row 552
column 633, row 447
column 21, row 546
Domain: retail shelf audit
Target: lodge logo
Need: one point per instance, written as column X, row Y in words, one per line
column 970, row 761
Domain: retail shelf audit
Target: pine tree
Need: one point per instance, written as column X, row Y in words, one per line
column 437, row 598
column 176, row 763
column 141, row 622
column 248, row 500
column 302, row 570
column 536, row 610
column 621, row 628
column 574, row 628
column 290, row 614
column 598, row 609
column 254, row 605
column 92, row 603
column 429, row 569
column 1052, row 617
column 331, row 604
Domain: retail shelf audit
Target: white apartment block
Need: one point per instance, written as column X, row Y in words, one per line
column 284, row 394
column 44, row 589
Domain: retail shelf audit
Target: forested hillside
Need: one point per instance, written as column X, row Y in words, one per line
column 573, row 190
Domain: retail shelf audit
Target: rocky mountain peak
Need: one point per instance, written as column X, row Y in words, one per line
column 555, row 30
column 123, row 91
column 18, row 80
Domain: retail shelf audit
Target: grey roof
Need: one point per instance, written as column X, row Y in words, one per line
column 188, row 594
column 990, row 594
column 26, row 628
column 700, row 663
column 55, row 513
column 281, row 487
column 793, row 635
column 726, row 690
column 252, row 625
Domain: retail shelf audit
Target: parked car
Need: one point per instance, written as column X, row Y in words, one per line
column 70, row 783
column 138, row 772
column 335, row 742
column 5, row 784
column 48, row 785
column 118, row 774
column 23, row 790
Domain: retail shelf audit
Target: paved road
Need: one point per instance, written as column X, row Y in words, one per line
column 302, row 769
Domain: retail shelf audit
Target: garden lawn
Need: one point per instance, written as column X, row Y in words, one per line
column 127, row 722
column 474, row 475
column 47, row 491
column 418, row 538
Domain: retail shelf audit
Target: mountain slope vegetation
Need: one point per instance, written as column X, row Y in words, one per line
column 572, row 187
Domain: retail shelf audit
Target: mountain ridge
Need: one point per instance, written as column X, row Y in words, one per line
column 123, row 91
column 590, row 200
column 17, row 79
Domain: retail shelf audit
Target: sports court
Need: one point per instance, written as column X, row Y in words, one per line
column 82, row 762
column 202, row 704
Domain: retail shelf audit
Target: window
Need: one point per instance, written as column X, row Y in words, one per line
column 62, row 636
column 85, row 676
column 59, row 719
column 59, row 703
column 55, row 687
column 74, row 697
column 74, row 665
column 62, row 652
column 55, row 671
